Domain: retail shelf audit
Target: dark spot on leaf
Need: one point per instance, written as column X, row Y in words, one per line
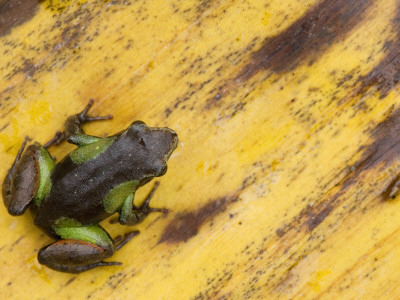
column 315, row 218
column 392, row 189
column 187, row 225
column 70, row 281
column 386, row 145
column 15, row 12
column 386, row 75
column 4, row 126
column 382, row 152
column 280, row 232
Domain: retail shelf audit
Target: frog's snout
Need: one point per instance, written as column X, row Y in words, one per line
column 174, row 139
column 158, row 143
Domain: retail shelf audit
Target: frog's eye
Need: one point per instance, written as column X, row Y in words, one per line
column 141, row 142
column 163, row 171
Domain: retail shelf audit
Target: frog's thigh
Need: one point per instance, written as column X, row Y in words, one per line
column 26, row 179
column 80, row 249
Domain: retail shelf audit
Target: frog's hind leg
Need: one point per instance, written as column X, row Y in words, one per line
column 27, row 178
column 80, row 249
column 74, row 256
column 8, row 180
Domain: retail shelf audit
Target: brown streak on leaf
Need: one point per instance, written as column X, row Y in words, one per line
column 14, row 13
column 382, row 152
column 185, row 226
column 305, row 40
column 386, row 74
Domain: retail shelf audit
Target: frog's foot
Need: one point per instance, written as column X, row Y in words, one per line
column 120, row 241
column 83, row 117
column 74, row 256
column 56, row 140
column 131, row 214
column 73, row 126
column 145, row 208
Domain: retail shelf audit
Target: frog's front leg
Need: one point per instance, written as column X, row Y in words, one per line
column 73, row 127
column 131, row 214
column 81, row 248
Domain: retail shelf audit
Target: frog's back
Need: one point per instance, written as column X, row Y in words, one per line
column 78, row 190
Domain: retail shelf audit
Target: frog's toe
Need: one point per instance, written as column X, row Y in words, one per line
column 83, row 117
column 120, row 241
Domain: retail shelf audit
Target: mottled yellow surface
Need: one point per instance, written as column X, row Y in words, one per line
column 279, row 186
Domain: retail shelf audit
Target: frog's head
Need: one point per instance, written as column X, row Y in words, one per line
column 150, row 148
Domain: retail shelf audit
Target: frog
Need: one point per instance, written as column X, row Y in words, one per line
column 68, row 199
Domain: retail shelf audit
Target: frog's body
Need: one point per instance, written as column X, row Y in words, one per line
column 91, row 183
column 124, row 160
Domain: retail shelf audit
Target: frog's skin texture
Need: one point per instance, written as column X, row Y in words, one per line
column 96, row 180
